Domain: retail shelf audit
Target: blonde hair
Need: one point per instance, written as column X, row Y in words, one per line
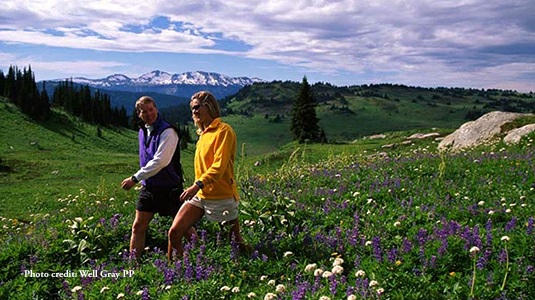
column 209, row 101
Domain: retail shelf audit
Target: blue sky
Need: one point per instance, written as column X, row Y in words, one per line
column 429, row 43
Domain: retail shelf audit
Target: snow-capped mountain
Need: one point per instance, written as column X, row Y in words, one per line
column 176, row 88
column 161, row 78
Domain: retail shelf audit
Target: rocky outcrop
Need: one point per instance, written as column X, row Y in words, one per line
column 483, row 130
column 516, row 134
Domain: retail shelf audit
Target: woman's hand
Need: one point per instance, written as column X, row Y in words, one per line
column 189, row 193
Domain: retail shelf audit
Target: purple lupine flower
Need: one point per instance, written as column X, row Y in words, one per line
column 145, row 295
column 168, row 275
column 483, row 259
column 178, row 268
column 502, row 256
column 511, row 224
column 66, row 288
column 300, row 291
column 488, row 228
column 407, row 245
column 333, row 284
column 377, row 251
column 530, row 269
column 432, row 261
column 422, row 237
column 443, row 247
column 234, row 248
column 392, row 255
column 114, row 221
column 188, row 273
column 529, row 228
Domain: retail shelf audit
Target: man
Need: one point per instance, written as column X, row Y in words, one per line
column 160, row 173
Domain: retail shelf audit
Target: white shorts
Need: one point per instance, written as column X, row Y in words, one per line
column 223, row 210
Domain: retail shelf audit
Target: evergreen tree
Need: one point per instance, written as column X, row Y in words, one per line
column 304, row 123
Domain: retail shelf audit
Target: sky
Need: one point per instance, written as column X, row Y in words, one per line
column 481, row 44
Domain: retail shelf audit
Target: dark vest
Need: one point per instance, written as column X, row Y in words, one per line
column 170, row 175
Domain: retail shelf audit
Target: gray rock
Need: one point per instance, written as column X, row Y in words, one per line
column 480, row 131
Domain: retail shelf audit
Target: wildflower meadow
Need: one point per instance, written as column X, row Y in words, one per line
column 406, row 224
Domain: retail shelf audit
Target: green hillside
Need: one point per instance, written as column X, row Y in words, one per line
column 261, row 112
column 41, row 162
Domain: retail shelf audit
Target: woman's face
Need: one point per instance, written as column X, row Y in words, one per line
column 199, row 113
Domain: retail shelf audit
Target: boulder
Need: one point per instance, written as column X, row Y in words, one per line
column 480, row 131
column 514, row 136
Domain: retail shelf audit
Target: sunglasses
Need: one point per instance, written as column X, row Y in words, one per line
column 196, row 107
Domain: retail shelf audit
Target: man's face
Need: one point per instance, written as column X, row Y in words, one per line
column 148, row 113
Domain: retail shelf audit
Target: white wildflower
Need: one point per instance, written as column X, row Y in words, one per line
column 224, row 289
column 360, row 273
column 338, row 261
column 327, row 274
column 481, row 203
column 251, row 295
column 263, row 278
column 325, row 298
column 288, row 253
column 280, row 288
column 397, row 223
column 271, row 282
column 380, row 291
column 351, row 297
column 236, row 289
column 139, row 293
column 310, row 267
column 373, row 283
column 337, row 270
column 474, row 249
column 318, row 272
column 120, row 296
column 368, row 243
column 491, row 212
column 270, row 296
column 505, row 238
column 76, row 289
column 102, row 290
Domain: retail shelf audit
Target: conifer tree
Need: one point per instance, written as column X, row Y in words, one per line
column 304, row 123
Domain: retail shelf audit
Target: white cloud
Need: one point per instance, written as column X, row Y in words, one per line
column 416, row 41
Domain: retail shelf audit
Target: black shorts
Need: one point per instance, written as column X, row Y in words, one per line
column 164, row 201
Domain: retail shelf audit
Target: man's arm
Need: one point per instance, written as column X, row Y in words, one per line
column 162, row 158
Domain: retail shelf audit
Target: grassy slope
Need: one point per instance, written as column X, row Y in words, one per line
column 54, row 159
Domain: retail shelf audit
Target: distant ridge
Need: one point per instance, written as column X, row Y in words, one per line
column 182, row 85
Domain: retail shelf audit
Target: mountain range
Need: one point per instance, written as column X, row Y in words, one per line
column 182, row 85
column 168, row 89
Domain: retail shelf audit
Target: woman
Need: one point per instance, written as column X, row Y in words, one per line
column 214, row 192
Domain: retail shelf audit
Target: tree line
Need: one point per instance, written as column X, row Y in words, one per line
column 20, row 86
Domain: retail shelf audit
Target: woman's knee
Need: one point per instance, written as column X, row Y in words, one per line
column 176, row 232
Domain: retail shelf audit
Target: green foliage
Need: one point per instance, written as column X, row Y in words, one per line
column 304, row 123
column 323, row 220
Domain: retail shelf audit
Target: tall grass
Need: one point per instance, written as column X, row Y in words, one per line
column 360, row 225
